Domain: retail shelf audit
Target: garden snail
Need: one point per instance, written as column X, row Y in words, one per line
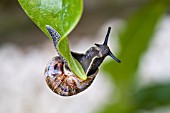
column 62, row 80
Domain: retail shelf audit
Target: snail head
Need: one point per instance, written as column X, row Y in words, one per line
column 104, row 49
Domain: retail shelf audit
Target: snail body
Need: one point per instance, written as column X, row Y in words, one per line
column 62, row 80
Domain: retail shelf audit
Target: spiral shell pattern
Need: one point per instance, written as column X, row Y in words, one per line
column 64, row 82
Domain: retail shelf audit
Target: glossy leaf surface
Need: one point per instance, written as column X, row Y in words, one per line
column 63, row 16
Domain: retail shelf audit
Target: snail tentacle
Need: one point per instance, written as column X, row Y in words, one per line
column 116, row 59
column 56, row 37
column 107, row 36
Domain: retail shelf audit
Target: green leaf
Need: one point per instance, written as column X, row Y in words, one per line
column 63, row 16
column 73, row 63
column 153, row 96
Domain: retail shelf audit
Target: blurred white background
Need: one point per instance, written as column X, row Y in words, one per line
column 25, row 51
column 23, row 88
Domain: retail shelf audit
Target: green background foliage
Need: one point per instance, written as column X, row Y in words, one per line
column 134, row 41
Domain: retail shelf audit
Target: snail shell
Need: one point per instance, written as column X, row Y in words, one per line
column 62, row 80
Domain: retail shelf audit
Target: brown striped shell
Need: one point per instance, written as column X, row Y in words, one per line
column 64, row 82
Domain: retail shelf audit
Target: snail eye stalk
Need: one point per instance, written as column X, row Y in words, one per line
column 107, row 36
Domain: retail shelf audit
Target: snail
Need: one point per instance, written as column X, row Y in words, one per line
column 62, row 80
